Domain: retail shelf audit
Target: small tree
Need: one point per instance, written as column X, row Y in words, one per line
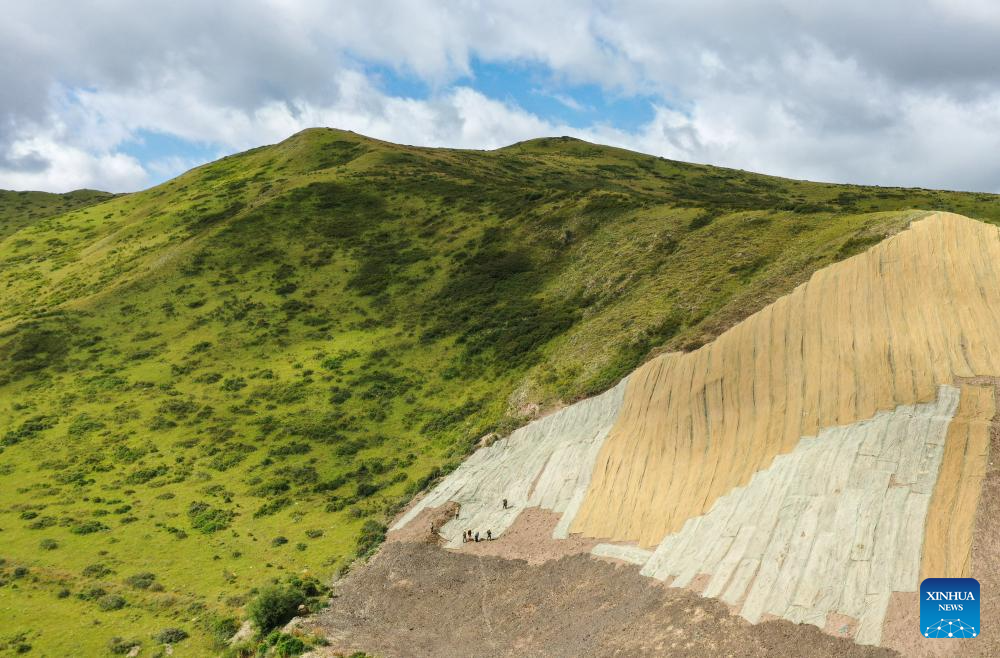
column 274, row 606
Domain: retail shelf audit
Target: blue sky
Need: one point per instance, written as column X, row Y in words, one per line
column 530, row 87
column 538, row 90
column 124, row 95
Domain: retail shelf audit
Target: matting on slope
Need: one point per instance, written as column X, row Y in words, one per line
column 547, row 463
column 881, row 329
column 951, row 519
column 833, row 527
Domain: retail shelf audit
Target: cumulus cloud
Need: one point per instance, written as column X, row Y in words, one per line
column 891, row 93
column 53, row 165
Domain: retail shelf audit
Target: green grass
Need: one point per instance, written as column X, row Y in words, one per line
column 21, row 209
column 239, row 375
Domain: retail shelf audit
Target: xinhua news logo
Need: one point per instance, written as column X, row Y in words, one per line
column 949, row 608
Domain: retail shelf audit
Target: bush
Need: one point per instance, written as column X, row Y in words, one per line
column 702, row 220
column 222, row 629
column 144, row 475
column 28, row 429
column 111, row 602
column 207, row 519
column 234, row 384
column 120, row 646
column 88, row 527
column 275, row 606
column 372, row 534
column 272, row 507
column 270, row 488
column 49, row 544
column 171, row 636
column 141, row 580
column 96, row 571
column 285, row 645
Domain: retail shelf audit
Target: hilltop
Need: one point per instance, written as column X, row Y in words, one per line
column 242, row 374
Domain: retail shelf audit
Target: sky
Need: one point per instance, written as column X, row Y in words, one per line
column 121, row 95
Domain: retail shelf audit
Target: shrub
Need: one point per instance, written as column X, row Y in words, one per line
column 43, row 522
column 111, row 602
column 222, row 629
column 292, row 448
column 96, row 571
column 234, row 384
column 28, row 429
column 372, row 534
column 285, row 645
column 141, row 580
column 272, row 506
column 88, row 527
column 143, row 475
column 270, row 488
column 91, row 594
column 275, row 606
column 49, row 544
column 207, row 519
column 120, row 646
column 171, row 636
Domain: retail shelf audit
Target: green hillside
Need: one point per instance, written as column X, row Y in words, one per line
column 239, row 375
column 20, row 209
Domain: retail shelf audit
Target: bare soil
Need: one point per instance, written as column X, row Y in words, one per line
column 415, row 599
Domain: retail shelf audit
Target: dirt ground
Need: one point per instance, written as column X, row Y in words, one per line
column 415, row 599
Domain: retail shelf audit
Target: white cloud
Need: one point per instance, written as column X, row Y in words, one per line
column 893, row 92
column 70, row 168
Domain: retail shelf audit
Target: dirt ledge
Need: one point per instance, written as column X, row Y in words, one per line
column 416, row 599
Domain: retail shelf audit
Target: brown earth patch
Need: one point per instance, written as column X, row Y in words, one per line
column 415, row 599
column 529, row 538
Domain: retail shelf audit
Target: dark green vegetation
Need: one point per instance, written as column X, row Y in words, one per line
column 242, row 373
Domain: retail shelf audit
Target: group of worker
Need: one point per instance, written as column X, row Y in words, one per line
column 469, row 536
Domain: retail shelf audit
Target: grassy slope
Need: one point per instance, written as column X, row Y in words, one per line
column 288, row 342
column 20, row 209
